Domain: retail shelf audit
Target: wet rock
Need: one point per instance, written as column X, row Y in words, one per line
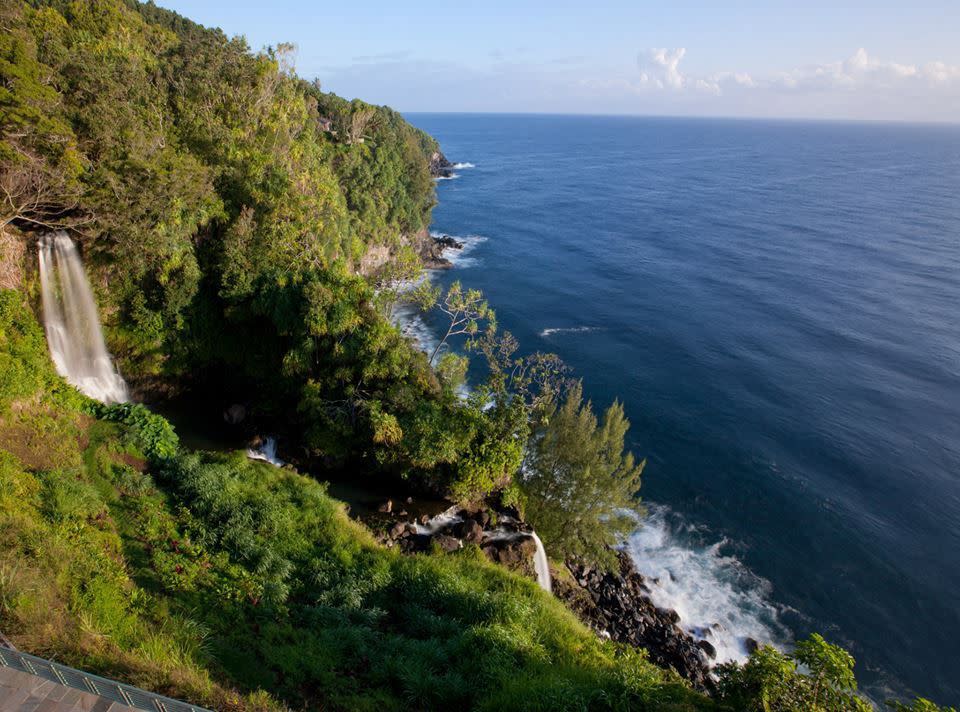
column 440, row 167
column 668, row 615
column 398, row 530
column 447, row 242
column 447, row 543
column 751, row 645
column 469, row 530
column 386, row 507
column 618, row 603
column 415, row 543
column 708, row 649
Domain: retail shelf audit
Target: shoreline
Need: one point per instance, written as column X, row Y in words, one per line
column 615, row 605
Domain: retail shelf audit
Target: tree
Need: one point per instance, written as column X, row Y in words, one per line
column 465, row 310
column 771, row 681
column 537, row 380
column 579, row 486
column 34, row 192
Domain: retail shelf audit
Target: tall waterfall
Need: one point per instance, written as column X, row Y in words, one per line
column 72, row 323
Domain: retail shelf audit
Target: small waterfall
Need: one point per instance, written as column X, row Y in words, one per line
column 541, row 565
column 267, row 451
column 441, row 521
column 72, row 324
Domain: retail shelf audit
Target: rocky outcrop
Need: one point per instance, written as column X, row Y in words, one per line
column 501, row 536
column 440, row 167
column 618, row 605
column 12, row 251
column 431, row 249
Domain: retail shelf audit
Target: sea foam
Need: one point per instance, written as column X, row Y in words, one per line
column 461, row 257
column 717, row 598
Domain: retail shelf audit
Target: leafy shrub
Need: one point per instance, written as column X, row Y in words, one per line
column 149, row 432
column 771, row 681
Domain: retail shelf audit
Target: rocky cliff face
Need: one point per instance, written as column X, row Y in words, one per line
column 429, row 248
column 618, row 605
column 440, row 167
column 12, row 251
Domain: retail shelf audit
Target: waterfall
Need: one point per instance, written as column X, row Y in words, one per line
column 541, row 565
column 266, row 451
column 72, row 324
column 441, row 521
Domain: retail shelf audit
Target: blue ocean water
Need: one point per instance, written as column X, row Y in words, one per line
column 776, row 304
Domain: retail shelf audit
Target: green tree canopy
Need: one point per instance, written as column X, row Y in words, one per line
column 580, row 487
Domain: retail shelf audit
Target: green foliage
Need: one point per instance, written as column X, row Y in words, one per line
column 189, row 162
column 343, row 623
column 771, row 681
column 579, row 487
column 25, row 367
column 23, row 356
column 465, row 311
column 149, row 432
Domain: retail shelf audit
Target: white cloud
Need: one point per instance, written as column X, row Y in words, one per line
column 660, row 70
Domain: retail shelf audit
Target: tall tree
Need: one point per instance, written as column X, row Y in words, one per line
column 580, row 486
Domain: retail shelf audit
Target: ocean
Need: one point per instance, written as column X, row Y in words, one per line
column 776, row 304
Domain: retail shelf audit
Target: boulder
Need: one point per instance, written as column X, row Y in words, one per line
column 469, row 530
column 386, row 507
column 447, row 543
column 708, row 649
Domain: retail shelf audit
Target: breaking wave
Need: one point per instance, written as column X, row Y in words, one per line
column 461, row 166
column 546, row 333
column 717, row 598
column 461, row 257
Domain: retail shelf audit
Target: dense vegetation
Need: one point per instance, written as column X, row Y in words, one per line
column 229, row 211
column 239, row 585
column 245, row 232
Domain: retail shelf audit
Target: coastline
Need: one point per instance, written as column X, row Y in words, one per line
column 616, row 605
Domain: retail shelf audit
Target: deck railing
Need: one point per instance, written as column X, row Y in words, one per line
column 79, row 680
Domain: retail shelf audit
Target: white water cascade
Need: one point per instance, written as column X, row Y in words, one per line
column 72, row 324
column 541, row 565
column 266, row 451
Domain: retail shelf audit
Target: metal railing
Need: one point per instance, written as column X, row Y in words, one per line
column 108, row 689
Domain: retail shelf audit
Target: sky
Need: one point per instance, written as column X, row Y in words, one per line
column 827, row 60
